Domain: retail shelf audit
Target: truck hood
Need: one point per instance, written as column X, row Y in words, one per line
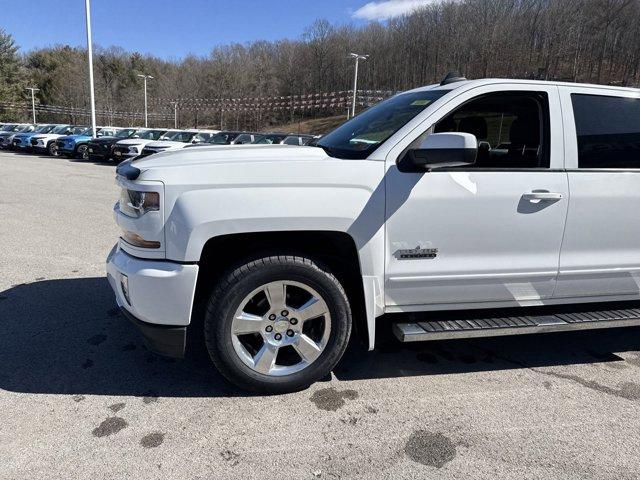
column 186, row 157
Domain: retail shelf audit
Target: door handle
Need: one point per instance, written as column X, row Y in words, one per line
column 542, row 195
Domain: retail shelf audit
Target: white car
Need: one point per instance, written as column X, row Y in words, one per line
column 278, row 252
column 132, row 147
column 46, row 142
column 177, row 141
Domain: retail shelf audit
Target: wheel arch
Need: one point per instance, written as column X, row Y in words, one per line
column 337, row 250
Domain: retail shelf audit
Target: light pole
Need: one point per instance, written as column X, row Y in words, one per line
column 146, row 77
column 175, row 114
column 358, row 57
column 87, row 7
column 33, row 101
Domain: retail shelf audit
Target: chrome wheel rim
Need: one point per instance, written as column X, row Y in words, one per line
column 84, row 152
column 281, row 328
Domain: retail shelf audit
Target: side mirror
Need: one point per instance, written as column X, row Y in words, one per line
column 441, row 150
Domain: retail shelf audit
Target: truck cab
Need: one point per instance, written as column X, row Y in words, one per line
column 434, row 205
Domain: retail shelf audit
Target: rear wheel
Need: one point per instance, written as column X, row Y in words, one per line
column 277, row 324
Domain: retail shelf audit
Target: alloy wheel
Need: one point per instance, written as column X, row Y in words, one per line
column 281, row 328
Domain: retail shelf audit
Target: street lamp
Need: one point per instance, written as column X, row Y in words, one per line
column 358, row 57
column 175, row 114
column 33, row 101
column 146, row 77
column 87, row 7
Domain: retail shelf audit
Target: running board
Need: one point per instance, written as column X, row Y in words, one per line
column 516, row 325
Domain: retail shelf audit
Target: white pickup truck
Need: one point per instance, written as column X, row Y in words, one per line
column 453, row 200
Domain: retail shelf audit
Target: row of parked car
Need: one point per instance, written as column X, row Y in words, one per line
column 117, row 144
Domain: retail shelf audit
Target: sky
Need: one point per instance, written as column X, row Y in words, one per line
column 173, row 29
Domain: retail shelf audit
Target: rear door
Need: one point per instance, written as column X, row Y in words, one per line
column 600, row 255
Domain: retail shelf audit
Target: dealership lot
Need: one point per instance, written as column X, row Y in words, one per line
column 81, row 397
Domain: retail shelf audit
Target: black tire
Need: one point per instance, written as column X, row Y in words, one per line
column 52, row 149
column 82, row 151
column 239, row 282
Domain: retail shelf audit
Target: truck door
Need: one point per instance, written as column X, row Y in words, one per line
column 487, row 234
column 600, row 254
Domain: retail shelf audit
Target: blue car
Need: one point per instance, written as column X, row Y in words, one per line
column 75, row 146
column 22, row 141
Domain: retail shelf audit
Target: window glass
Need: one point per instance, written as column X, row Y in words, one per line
column 363, row 134
column 608, row 130
column 151, row 134
column 125, row 133
column 510, row 128
column 182, row 136
column 222, row 138
column 291, row 141
column 201, row 137
column 60, row 129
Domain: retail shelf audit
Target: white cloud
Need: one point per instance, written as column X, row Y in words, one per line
column 383, row 10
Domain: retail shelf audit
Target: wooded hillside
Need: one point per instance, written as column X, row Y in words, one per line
column 576, row 40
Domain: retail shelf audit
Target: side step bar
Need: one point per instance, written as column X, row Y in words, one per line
column 499, row 326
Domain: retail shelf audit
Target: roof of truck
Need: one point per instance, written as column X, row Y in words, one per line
column 493, row 81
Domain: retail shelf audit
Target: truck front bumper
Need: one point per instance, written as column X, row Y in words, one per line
column 156, row 295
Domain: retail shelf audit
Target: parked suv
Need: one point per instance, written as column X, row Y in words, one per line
column 9, row 131
column 278, row 252
column 46, row 142
column 76, row 146
column 101, row 148
column 132, row 147
column 22, row 141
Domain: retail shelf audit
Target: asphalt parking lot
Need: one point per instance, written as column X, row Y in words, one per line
column 80, row 397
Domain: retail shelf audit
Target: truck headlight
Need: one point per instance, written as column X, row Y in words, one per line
column 133, row 149
column 134, row 203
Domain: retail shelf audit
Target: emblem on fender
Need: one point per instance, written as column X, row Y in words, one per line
column 416, row 253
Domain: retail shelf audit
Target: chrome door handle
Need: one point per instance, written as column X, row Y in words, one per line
column 542, row 195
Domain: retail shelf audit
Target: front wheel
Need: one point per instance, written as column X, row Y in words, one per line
column 52, row 149
column 82, row 152
column 277, row 324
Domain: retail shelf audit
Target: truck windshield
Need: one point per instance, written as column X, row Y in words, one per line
column 359, row 137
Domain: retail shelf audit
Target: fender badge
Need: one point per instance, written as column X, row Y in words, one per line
column 416, row 253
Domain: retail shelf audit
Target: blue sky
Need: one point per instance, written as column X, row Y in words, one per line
column 172, row 29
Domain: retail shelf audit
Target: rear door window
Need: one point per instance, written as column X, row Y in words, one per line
column 608, row 131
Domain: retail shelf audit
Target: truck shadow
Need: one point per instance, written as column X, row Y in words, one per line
column 66, row 336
